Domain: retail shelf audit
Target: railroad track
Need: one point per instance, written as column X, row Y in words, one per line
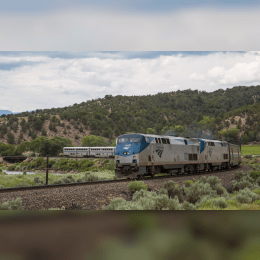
column 109, row 181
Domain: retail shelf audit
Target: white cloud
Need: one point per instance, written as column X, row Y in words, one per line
column 89, row 28
column 57, row 82
column 240, row 73
column 196, row 76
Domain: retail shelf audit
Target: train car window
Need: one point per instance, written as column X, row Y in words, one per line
column 168, row 141
column 163, row 140
column 123, row 140
column 135, row 140
column 185, row 141
column 156, row 140
column 160, row 141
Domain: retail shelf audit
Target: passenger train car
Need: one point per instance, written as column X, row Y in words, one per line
column 142, row 154
column 89, row 151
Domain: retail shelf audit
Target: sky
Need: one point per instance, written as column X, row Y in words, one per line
column 55, row 53
column 136, row 25
column 38, row 80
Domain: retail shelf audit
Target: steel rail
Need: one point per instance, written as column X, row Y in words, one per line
column 109, row 181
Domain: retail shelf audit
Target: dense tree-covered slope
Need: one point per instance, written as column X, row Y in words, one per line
column 193, row 112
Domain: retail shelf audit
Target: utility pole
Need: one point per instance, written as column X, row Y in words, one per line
column 47, row 170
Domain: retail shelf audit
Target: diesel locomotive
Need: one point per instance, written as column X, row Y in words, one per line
column 137, row 155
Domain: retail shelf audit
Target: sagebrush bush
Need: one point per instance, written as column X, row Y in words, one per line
column 38, row 180
column 68, row 179
column 246, row 182
column 220, row 203
column 136, row 186
column 188, row 183
column 255, row 175
column 145, row 200
column 187, row 206
column 257, row 192
column 91, row 177
column 246, row 196
column 57, row 182
column 198, row 190
column 172, row 190
column 12, row 205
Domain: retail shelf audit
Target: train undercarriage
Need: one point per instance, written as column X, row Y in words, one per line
column 129, row 171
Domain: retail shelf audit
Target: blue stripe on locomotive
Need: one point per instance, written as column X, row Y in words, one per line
column 202, row 146
column 131, row 148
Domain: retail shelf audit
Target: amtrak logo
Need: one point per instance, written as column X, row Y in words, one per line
column 159, row 151
column 127, row 146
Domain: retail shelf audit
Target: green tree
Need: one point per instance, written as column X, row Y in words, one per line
column 150, row 131
column 245, row 138
column 178, row 129
column 10, row 138
column 93, row 141
column 239, row 124
column 230, row 134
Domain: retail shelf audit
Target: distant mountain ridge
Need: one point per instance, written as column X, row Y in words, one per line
column 8, row 112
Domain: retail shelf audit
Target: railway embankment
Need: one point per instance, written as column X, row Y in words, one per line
column 95, row 197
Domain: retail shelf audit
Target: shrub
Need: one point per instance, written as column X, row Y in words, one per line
column 91, row 177
column 173, row 190
column 38, row 180
column 246, row 196
column 188, row 183
column 220, row 203
column 244, row 183
column 198, row 190
column 12, row 205
column 187, row 206
column 24, row 173
column 11, row 167
column 257, row 192
column 57, row 182
column 68, row 179
column 144, row 200
column 137, row 186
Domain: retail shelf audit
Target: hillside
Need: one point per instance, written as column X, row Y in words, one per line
column 185, row 113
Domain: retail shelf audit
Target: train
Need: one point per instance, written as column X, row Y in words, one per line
column 137, row 155
column 86, row 152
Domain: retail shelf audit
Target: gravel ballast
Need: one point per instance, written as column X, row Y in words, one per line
column 94, row 197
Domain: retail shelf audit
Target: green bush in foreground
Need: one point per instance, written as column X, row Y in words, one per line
column 137, row 186
column 171, row 189
column 246, row 196
column 145, row 200
column 12, row 205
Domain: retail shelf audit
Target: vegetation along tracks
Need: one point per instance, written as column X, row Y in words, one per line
column 4, row 190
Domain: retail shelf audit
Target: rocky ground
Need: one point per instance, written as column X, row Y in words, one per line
column 94, row 197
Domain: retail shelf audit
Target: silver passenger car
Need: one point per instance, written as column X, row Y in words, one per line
column 89, row 151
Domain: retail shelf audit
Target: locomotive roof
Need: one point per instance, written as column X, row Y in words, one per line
column 174, row 137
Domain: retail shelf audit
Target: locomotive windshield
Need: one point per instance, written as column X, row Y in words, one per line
column 129, row 140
